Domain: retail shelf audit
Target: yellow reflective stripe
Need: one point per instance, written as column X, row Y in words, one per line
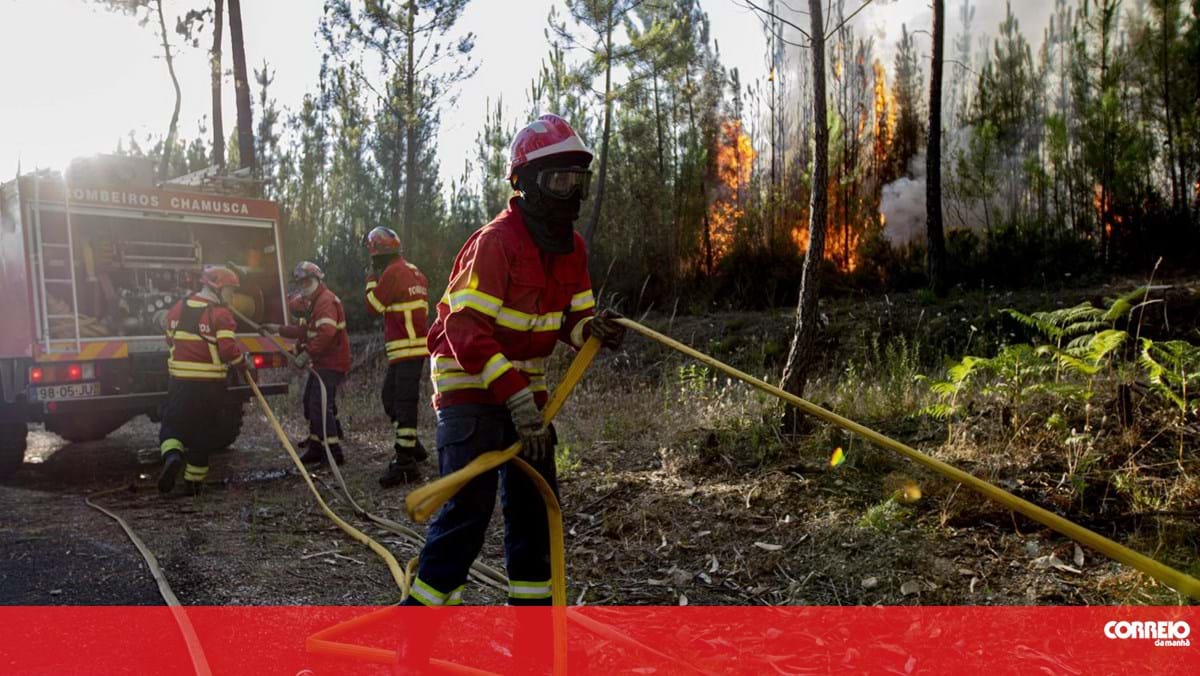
column 195, row 366
column 379, row 307
column 582, row 301
column 196, row 303
column 194, row 473
column 408, row 306
column 185, row 335
column 444, row 364
column 331, row 322
column 372, row 285
column 169, row 445
column 405, row 342
column 235, row 362
column 521, row 321
column 461, row 381
column 577, row 331
column 427, row 595
column 408, row 352
column 455, row 597
column 406, row 431
column 408, row 324
column 196, row 375
column 495, row 367
column 476, row 300
column 226, row 333
column 518, row 589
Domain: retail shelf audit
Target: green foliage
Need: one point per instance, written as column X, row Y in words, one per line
column 885, row 516
column 566, row 462
column 1173, row 368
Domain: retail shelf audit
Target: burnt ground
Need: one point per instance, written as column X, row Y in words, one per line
column 663, row 505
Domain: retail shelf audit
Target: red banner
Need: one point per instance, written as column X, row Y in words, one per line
column 308, row 641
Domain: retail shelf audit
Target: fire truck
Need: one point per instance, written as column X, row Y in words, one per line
column 90, row 262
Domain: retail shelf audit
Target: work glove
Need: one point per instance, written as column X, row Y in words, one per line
column 270, row 328
column 608, row 332
column 302, row 361
column 536, row 441
column 246, row 365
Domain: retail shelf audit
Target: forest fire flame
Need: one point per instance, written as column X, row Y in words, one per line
column 885, row 114
column 734, row 164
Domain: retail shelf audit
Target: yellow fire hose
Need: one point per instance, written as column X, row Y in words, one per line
column 1175, row 579
column 480, row 571
column 424, row 501
column 195, row 651
column 398, row 573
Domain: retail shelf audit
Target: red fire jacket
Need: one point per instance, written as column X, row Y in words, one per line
column 401, row 295
column 507, row 306
column 201, row 337
column 322, row 333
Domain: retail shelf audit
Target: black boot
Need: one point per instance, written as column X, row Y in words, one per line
column 400, row 470
column 338, row 456
column 314, row 453
column 172, row 466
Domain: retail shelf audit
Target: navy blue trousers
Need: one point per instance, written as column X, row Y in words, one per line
column 457, row 533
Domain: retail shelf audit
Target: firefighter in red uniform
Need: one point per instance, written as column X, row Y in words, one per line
column 519, row 286
column 399, row 292
column 323, row 343
column 200, row 334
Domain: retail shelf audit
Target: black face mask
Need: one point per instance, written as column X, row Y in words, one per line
column 550, row 221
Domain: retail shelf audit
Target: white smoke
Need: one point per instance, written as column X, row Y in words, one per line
column 903, row 205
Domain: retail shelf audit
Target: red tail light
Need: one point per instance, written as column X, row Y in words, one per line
column 259, row 361
column 36, row 374
column 74, row 372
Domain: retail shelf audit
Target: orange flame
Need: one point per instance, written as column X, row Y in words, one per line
column 734, row 164
column 885, row 114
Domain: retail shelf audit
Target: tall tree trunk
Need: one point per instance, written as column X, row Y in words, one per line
column 933, row 159
column 218, row 122
column 241, row 89
column 164, row 166
column 594, row 221
column 800, row 356
column 410, row 130
column 1176, row 193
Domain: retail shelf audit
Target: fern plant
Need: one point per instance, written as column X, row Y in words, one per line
column 1173, row 368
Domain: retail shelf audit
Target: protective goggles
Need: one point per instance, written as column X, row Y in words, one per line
column 563, row 183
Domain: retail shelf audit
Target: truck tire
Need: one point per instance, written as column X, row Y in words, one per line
column 12, row 448
column 79, row 429
column 228, row 426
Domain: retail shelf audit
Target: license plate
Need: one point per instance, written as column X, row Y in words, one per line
column 60, row 392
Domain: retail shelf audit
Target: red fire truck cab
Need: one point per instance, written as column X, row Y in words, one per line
column 90, row 262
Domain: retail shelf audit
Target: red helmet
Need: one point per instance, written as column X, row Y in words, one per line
column 306, row 269
column 298, row 303
column 544, row 137
column 382, row 241
column 217, row 277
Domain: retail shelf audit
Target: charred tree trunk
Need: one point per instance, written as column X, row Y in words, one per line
column 241, row 89
column 164, row 166
column 218, row 122
column 933, row 159
column 800, row 355
column 594, row 221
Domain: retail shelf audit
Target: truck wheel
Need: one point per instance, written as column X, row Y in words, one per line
column 85, row 428
column 12, row 448
column 228, row 426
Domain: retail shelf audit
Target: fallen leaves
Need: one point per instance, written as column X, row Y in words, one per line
column 766, row 546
